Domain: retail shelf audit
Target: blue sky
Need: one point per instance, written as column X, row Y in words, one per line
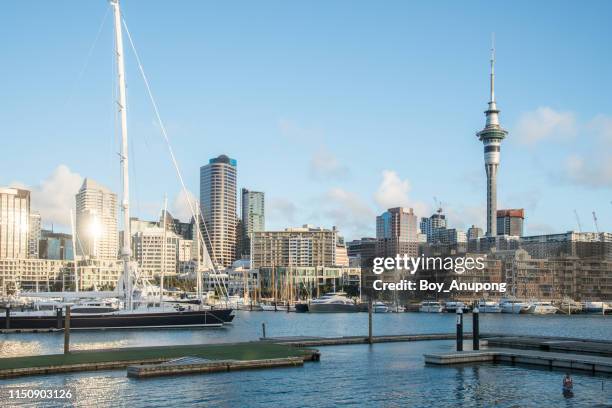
column 337, row 110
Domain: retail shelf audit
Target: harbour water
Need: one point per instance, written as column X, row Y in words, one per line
column 386, row 375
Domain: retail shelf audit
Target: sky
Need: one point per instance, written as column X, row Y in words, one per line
column 337, row 110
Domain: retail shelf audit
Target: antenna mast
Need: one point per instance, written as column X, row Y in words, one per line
column 126, row 250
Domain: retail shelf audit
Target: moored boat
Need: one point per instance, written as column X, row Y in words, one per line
column 379, row 307
column 513, row 306
column 488, row 306
column 451, row 307
column 120, row 319
column 542, row 308
column 431, row 307
column 335, row 302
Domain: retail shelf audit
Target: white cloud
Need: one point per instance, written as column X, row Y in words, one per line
column 180, row 205
column 54, row 197
column 325, row 166
column 544, row 123
column 392, row 191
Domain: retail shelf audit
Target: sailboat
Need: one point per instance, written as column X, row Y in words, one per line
column 130, row 284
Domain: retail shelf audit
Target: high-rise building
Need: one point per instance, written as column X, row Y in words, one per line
column 253, row 216
column 14, row 220
column 96, row 222
column 34, row 234
column 510, row 222
column 397, row 232
column 432, row 225
column 491, row 137
column 218, row 203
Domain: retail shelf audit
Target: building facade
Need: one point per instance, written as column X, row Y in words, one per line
column 34, row 234
column 253, row 216
column 218, row 204
column 397, row 232
column 306, row 246
column 54, row 245
column 510, row 222
column 14, row 222
column 149, row 247
column 96, row 222
column 430, row 226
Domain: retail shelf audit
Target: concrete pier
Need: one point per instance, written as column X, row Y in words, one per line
column 551, row 360
column 190, row 365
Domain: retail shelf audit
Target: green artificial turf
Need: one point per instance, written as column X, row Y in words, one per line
column 234, row 351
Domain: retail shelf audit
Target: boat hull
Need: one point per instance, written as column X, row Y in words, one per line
column 200, row 318
column 332, row 308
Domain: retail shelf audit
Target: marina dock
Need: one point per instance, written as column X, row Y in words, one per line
column 560, row 353
column 551, row 360
column 112, row 359
column 306, row 341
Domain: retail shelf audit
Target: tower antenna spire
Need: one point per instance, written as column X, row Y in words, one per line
column 492, row 67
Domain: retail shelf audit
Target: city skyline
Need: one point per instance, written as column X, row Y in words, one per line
column 346, row 176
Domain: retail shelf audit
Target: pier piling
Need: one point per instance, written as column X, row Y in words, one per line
column 263, row 329
column 475, row 330
column 59, row 318
column 459, row 329
column 67, row 331
column 8, row 317
column 370, row 320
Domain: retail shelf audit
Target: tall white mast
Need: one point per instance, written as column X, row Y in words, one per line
column 164, row 246
column 74, row 254
column 198, row 268
column 125, row 202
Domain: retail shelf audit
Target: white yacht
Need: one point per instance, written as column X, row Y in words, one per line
column 379, row 307
column 488, row 306
column 332, row 303
column 595, row 307
column 513, row 306
column 431, row 307
column 542, row 308
column 452, row 307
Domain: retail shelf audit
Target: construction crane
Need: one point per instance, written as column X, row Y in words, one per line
column 578, row 221
column 438, row 205
column 595, row 222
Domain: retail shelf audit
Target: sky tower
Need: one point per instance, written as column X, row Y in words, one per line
column 491, row 137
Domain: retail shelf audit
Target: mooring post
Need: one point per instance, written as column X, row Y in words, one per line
column 59, row 318
column 475, row 330
column 67, row 331
column 8, row 317
column 459, row 329
column 370, row 320
column 263, row 329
